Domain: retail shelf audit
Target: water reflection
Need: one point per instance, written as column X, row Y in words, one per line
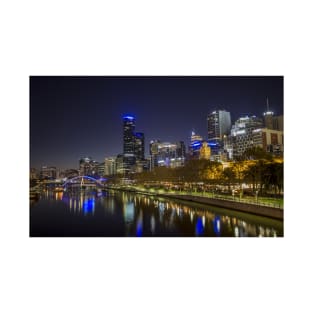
column 199, row 227
column 152, row 223
column 120, row 214
column 59, row 195
column 217, row 225
column 79, row 201
column 139, row 226
column 89, row 206
column 129, row 212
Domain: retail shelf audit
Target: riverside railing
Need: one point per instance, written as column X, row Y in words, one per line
column 211, row 195
column 259, row 202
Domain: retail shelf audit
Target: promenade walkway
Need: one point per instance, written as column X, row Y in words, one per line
column 263, row 207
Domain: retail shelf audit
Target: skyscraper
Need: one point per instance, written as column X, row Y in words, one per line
column 271, row 121
column 128, row 134
column 110, row 166
column 268, row 117
column 219, row 124
column 181, row 150
column 243, row 134
column 133, row 146
column 139, row 146
column 129, row 159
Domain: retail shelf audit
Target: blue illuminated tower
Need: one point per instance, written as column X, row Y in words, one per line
column 133, row 146
column 128, row 134
column 129, row 157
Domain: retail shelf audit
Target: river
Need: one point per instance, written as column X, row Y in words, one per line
column 88, row 213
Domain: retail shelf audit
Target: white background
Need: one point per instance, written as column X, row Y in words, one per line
column 155, row 38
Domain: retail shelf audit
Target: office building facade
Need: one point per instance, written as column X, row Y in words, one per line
column 194, row 145
column 270, row 140
column 109, row 166
column 271, row 121
column 88, row 167
column 133, row 147
column 167, row 154
column 242, row 135
column 139, row 146
column 219, row 125
column 128, row 134
column 48, row 172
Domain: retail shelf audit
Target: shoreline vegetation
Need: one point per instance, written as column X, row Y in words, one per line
column 253, row 183
column 260, row 208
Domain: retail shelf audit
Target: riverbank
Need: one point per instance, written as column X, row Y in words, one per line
column 240, row 206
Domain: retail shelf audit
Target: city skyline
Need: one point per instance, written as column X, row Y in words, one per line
column 73, row 117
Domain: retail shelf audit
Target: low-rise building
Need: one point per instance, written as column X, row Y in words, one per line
column 88, row 167
column 167, row 154
column 269, row 140
column 48, row 172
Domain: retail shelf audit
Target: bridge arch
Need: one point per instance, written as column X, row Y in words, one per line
column 77, row 178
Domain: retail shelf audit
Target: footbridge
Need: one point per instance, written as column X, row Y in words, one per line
column 84, row 181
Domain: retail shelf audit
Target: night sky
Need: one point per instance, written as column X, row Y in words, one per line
column 74, row 117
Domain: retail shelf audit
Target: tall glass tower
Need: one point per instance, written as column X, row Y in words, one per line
column 219, row 124
column 128, row 134
column 139, row 146
column 129, row 157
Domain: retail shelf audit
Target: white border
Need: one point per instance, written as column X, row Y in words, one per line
column 155, row 38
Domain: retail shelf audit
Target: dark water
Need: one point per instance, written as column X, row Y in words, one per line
column 117, row 214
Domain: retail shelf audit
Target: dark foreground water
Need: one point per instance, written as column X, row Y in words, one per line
column 116, row 214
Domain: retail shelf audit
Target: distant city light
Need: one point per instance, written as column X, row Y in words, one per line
column 128, row 117
column 196, row 144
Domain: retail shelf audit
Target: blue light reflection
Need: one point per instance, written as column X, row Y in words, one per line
column 89, row 205
column 217, row 225
column 199, row 227
column 139, row 225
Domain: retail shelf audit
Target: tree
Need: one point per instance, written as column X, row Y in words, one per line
column 212, row 171
column 229, row 175
column 273, row 176
column 279, row 172
column 252, row 175
column 239, row 168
